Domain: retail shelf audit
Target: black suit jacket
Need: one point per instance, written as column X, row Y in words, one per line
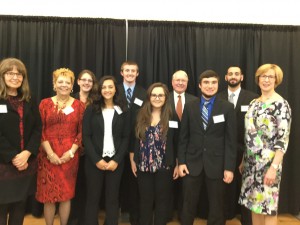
column 213, row 149
column 139, row 93
column 93, row 134
column 10, row 138
column 245, row 97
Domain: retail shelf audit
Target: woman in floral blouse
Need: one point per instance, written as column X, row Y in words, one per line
column 154, row 159
column 267, row 129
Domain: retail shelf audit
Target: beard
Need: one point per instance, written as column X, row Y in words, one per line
column 233, row 85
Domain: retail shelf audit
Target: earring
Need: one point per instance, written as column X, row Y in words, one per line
column 72, row 91
column 54, row 89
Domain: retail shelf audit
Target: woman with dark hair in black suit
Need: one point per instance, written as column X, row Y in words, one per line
column 20, row 137
column 105, row 138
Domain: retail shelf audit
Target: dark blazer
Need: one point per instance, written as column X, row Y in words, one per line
column 93, row 134
column 10, row 138
column 170, row 148
column 245, row 97
column 140, row 93
column 213, row 149
column 16, row 186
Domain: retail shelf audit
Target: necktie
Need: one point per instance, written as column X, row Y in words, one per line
column 128, row 96
column 205, row 114
column 230, row 98
column 179, row 107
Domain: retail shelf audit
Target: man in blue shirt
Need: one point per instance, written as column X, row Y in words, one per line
column 207, row 150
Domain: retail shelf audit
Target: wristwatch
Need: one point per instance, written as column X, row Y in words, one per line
column 275, row 166
column 71, row 154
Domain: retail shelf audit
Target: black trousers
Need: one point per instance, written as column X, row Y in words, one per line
column 15, row 211
column 129, row 193
column 97, row 179
column 155, row 193
column 191, row 190
column 78, row 202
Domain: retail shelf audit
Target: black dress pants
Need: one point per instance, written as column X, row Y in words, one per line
column 97, row 179
column 191, row 190
column 155, row 192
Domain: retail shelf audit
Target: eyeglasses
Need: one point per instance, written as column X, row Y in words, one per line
column 264, row 77
column 11, row 75
column 86, row 80
column 159, row 96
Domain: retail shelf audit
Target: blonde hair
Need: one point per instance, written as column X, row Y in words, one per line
column 63, row 72
column 9, row 64
column 264, row 68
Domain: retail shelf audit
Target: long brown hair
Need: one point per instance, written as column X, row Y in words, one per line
column 8, row 64
column 94, row 90
column 145, row 113
column 99, row 104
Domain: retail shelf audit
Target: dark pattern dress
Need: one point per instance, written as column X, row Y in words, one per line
column 17, row 185
column 267, row 128
column 152, row 151
column 56, row 183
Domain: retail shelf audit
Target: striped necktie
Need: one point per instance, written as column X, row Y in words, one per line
column 205, row 114
column 128, row 96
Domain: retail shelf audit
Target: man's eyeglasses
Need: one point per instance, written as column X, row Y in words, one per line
column 11, row 75
column 86, row 80
column 264, row 77
column 159, row 96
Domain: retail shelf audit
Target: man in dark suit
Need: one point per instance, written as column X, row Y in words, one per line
column 178, row 98
column 207, row 150
column 241, row 99
column 134, row 95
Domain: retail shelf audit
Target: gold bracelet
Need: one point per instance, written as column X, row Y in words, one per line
column 71, row 154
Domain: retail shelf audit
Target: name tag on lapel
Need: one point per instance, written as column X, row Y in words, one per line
column 3, row 109
column 173, row 124
column 118, row 109
column 244, row 108
column 219, row 118
column 68, row 110
column 138, row 102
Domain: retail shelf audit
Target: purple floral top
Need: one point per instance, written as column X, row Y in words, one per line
column 152, row 155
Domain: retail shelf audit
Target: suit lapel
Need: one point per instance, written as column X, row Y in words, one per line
column 197, row 112
column 215, row 111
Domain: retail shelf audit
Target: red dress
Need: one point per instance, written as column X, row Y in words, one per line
column 56, row 183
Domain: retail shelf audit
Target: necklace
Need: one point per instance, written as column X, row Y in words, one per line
column 60, row 103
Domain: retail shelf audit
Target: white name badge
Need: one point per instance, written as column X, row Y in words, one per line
column 118, row 109
column 219, row 118
column 244, row 108
column 68, row 110
column 138, row 102
column 3, row 109
column 173, row 124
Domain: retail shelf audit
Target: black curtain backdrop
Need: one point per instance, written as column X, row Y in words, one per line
column 160, row 48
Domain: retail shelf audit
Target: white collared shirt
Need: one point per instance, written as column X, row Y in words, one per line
column 236, row 95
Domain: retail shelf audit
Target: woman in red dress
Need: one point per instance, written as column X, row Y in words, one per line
column 61, row 139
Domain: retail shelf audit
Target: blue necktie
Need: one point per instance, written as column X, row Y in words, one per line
column 205, row 114
column 128, row 96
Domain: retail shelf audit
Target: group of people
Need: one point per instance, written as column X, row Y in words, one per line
column 112, row 137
